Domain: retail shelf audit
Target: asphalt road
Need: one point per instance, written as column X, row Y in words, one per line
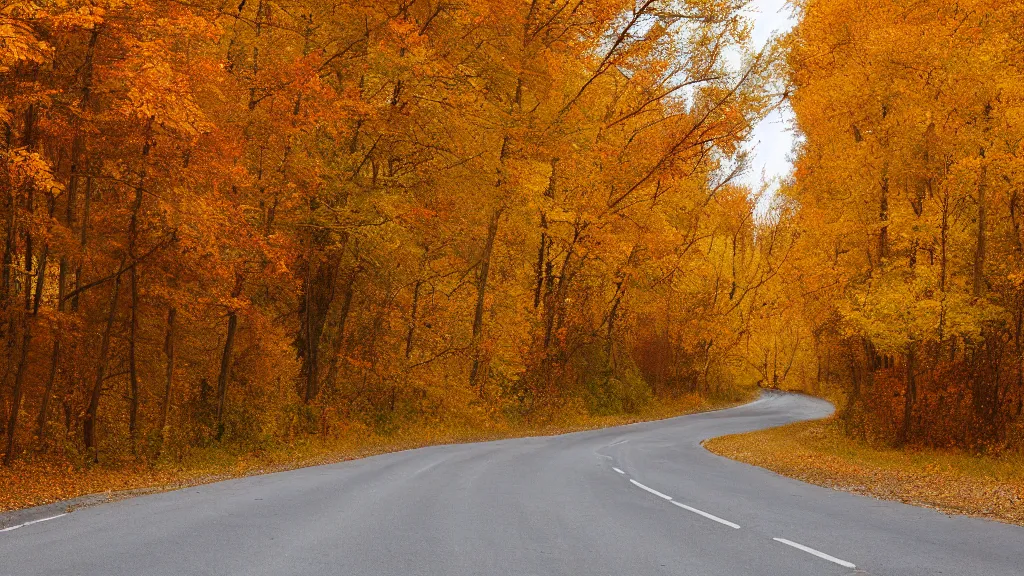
column 631, row 501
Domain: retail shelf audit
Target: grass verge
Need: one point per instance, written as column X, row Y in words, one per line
column 43, row 480
column 819, row 453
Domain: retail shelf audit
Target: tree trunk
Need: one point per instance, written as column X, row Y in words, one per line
column 541, row 256
column 48, row 390
column 609, row 345
column 29, row 207
column 19, row 388
column 481, row 292
column 225, row 372
column 78, row 156
column 40, row 279
column 83, row 240
column 89, row 422
column 979, row 252
column 225, row 360
column 28, row 140
column 339, row 338
column 910, row 396
column 133, row 372
column 412, row 319
column 133, row 328
column 55, row 355
column 318, row 290
column 9, row 246
column 538, row 286
column 168, row 380
column 556, row 295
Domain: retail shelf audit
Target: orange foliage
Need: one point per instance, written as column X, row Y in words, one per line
column 257, row 222
column 908, row 192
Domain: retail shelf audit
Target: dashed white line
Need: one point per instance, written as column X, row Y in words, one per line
column 9, row 528
column 708, row 516
column 651, row 490
column 617, row 470
column 619, row 442
column 817, row 553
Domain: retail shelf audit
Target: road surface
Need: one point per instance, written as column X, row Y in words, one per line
column 637, row 500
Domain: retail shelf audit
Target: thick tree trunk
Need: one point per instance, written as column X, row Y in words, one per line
column 19, row 388
column 858, row 371
column 339, row 337
column 168, row 379
column 226, row 357
column 9, row 247
column 481, row 292
column 225, row 372
column 318, row 294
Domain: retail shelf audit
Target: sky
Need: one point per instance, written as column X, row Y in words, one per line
column 772, row 141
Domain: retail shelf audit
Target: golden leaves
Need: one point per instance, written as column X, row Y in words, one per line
column 819, row 453
column 18, row 41
column 31, row 169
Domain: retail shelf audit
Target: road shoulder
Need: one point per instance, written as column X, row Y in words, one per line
column 818, row 453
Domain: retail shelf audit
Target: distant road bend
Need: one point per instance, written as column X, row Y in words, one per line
column 637, row 500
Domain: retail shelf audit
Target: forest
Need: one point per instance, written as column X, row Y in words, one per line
column 247, row 221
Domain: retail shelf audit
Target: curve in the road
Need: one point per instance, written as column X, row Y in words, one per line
column 635, row 500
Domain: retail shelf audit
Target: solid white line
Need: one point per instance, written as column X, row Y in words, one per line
column 9, row 528
column 651, row 490
column 822, row 555
column 617, row 470
column 708, row 516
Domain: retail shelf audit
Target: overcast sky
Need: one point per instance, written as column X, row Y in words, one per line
column 772, row 141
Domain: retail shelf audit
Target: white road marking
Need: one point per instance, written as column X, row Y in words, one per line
column 9, row 528
column 619, row 442
column 617, row 470
column 606, row 456
column 651, row 490
column 817, row 553
column 706, row 515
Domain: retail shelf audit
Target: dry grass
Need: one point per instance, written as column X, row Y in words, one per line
column 43, row 480
column 818, row 452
